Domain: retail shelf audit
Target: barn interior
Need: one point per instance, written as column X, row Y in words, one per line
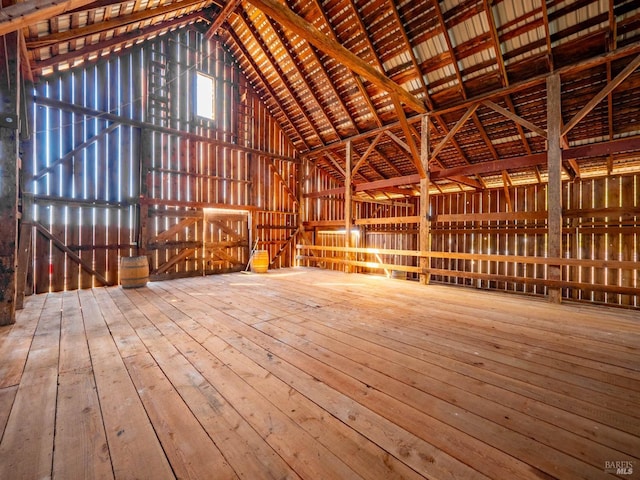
column 319, row 239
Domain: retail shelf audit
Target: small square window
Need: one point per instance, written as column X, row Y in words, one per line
column 204, row 96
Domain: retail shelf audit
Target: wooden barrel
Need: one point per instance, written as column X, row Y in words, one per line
column 260, row 261
column 134, row 272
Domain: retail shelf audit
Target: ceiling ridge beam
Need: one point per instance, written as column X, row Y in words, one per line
column 307, row 31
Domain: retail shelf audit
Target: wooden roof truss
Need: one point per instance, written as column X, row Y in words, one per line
column 366, row 70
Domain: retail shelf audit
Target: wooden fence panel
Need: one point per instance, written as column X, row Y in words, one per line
column 600, row 226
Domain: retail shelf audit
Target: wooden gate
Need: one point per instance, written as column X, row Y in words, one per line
column 226, row 240
column 199, row 242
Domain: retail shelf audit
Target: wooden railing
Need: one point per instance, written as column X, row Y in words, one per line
column 318, row 254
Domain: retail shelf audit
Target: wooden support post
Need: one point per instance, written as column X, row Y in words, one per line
column 300, row 191
column 506, row 183
column 304, row 208
column 348, row 204
column 554, row 188
column 9, row 166
column 425, row 220
column 24, row 276
column 145, row 164
column 24, row 253
column 254, row 199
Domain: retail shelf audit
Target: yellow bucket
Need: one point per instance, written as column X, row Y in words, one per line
column 260, row 261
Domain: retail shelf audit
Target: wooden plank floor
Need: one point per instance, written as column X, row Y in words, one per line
column 306, row 373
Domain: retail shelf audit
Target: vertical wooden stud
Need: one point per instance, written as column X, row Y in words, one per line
column 145, row 159
column 300, row 191
column 628, row 239
column 554, row 191
column 348, row 205
column 9, row 122
column 425, row 220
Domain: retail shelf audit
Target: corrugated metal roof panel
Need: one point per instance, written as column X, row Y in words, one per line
column 576, row 17
column 437, row 45
column 511, row 16
column 469, row 29
column 439, row 75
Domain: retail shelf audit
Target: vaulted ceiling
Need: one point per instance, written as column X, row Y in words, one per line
column 477, row 66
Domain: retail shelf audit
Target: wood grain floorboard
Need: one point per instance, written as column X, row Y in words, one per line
column 314, row 374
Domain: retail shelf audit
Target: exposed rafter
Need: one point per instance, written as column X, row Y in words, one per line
column 447, row 38
column 85, row 53
column 437, row 121
column 21, row 15
column 221, row 18
column 118, row 22
column 547, row 34
column 470, row 111
column 289, row 49
column 584, row 111
column 274, row 64
column 413, row 148
column 516, row 118
column 304, row 29
column 434, row 52
column 269, row 89
column 356, row 79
